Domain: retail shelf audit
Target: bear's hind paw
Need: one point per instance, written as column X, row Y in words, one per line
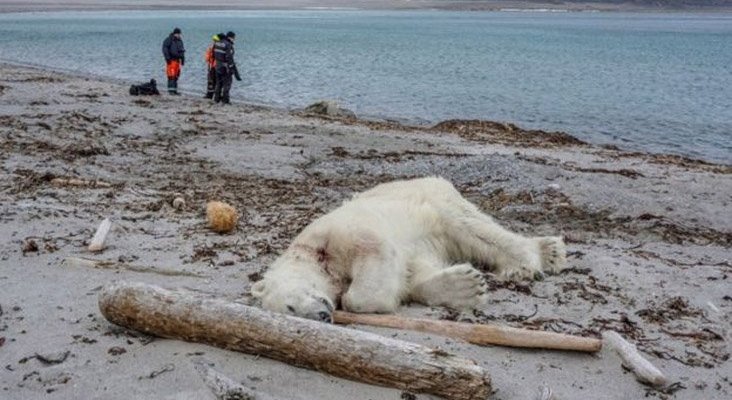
column 553, row 253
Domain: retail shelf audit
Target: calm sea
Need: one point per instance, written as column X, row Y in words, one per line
column 658, row 82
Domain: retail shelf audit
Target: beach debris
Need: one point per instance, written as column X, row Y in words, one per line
column 97, row 242
column 480, row 334
column 116, row 350
column 632, row 359
column 30, row 246
column 713, row 307
column 329, row 108
column 223, row 387
column 502, row 132
column 545, row 393
column 157, row 372
column 84, row 149
column 80, row 183
column 108, row 264
column 221, row 217
column 361, row 356
column 53, row 358
column 179, row 203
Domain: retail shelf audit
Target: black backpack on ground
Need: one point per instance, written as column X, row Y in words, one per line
column 145, row 89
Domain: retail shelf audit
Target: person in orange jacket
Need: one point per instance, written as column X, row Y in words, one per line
column 211, row 64
column 174, row 54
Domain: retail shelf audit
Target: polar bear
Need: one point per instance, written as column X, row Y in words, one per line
column 411, row 240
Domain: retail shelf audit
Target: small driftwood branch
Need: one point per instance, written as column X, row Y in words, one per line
column 80, row 183
column 476, row 333
column 633, row 360
column 223, row 387
column 104, row 264
column 545, row 393
column 97, row 242
column 346, row 353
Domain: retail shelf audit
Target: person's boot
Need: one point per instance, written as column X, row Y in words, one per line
column 173, row 87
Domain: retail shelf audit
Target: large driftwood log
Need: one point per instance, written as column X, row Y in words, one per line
column 361, row 356
column 476, row 333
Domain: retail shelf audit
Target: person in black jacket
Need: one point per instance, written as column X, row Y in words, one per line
column 225, row 67
column 174, row 54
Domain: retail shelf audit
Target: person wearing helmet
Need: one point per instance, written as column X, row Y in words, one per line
column 225, row 67
column 174, row 54
column 211, row 64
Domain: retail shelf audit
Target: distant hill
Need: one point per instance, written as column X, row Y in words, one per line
column 658, row 3
column 661, row 4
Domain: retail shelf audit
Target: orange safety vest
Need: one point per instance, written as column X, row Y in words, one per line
column 209, row 57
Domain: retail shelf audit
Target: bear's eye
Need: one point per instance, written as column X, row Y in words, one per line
column 291, row 309
column 327, row 304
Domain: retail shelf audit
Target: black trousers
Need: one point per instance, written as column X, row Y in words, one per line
column 173, row 85
column 223, row 84
column 211, row 83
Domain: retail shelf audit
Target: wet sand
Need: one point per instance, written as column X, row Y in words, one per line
column 649, row 239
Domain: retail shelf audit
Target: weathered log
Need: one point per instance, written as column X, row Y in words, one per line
column 480, row 334
column 643, row 369
column 80, row 183
column 97, row 242
column 351, row 354
column 114, row 265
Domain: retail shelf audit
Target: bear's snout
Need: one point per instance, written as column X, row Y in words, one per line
column 325, row 317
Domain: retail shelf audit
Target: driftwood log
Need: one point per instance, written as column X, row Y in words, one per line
column 351, row 354
column 633, row 360
column 97, row 242
column 480, row 334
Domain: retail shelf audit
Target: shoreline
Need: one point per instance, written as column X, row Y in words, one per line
column 392, row 123
column 354, row 5
column 648, row 240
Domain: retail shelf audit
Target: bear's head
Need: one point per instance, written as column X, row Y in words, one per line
column 296, row 289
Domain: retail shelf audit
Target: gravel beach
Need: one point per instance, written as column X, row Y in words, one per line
column 648, row 236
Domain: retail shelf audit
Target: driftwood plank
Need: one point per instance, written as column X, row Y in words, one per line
column 351, row 354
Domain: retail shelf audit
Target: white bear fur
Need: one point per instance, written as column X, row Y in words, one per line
column 402, row 241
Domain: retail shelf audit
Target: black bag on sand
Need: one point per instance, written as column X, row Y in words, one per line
column 145, row 89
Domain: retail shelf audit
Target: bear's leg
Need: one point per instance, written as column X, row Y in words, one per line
column 479, row 238
column 459, row 286
column 377, row 285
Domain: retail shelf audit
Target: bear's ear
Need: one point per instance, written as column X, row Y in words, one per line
column 258, row 289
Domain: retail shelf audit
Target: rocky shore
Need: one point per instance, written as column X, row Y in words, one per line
column 649, row 239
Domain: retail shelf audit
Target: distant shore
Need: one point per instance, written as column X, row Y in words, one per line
column 10, row 6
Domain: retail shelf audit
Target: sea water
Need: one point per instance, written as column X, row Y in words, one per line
column 659, row 82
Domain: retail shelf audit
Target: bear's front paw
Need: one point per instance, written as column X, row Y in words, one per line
column 459, row 287
column 356, row 302
column 520, row 263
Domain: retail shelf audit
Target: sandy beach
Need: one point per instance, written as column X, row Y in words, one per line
column 648, row 236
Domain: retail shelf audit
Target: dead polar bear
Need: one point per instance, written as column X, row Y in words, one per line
column 404, row 240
